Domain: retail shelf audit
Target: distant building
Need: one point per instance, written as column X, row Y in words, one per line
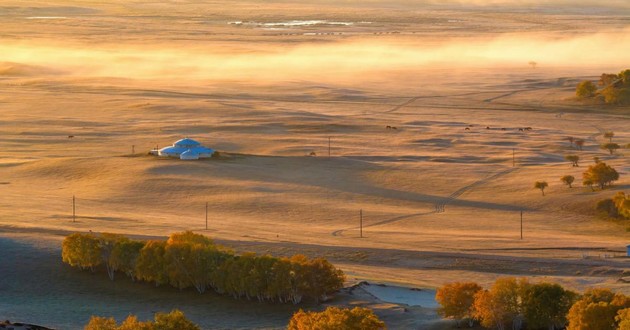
column 186, row 149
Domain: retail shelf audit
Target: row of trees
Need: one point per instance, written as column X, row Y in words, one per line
column 175, row 320
column 615, row 88
column 516, row 303
column 600, row 174
column 191, row 260
column 334, row 318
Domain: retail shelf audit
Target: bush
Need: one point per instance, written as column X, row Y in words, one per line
column 334, row 318
column 192, row 260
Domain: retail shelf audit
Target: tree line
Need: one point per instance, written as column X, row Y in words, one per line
column 333, row 318
column 189, row 260
column 615, row 88
column 518, row 304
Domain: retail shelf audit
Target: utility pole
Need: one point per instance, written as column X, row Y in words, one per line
column 513, row 158
column 133, row 149
column 329, row 147
column 206, row 215
column 521, row 224
column 74, row 214
column 361, row 223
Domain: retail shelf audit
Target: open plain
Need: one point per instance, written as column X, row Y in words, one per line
column 87, row 88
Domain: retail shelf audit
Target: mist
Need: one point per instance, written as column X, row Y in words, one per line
column 319, row 61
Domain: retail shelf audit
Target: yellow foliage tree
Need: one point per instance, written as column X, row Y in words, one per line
column 101, row 323
column 623, row 319
column 334, row 318
column 456, row 300
column 175, row 320
column 596, row 310
column 501, row 304
column 81, row 250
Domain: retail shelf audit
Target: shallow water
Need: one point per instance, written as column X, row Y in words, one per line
column 401, row 295
column 36, row 287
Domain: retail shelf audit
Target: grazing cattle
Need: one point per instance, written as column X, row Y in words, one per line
column 388, row 127
column 503, row 128
column 394, row 127
column 312, row 154
column 520, row 129
column 468, row 129
column 487, row 127
column 70, row 136
column 528, row 128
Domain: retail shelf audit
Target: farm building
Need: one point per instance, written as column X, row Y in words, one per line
column 186, row 149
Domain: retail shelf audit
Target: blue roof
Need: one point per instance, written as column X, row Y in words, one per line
column 186, row 143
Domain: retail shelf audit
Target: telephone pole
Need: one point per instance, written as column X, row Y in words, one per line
column 206, row 215
column 361, row 223
column 513, row 158
column 521, row 224
column 329, row 147
column 74, row 214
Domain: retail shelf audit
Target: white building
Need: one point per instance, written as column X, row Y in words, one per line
column 186, row 149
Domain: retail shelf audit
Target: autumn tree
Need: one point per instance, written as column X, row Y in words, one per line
column 456, row 300
column 585, row 89
column 607, row 207
column 101, row 323
column 175, row 320
column 623, row 319
column 573, row 159
column 151, row 265
column 611, row 147
column 600, row 174
column 607, row 79
column 125, row 255
column 81, row 250
column 568, row 180
column 192, row 260
column 597, row 309
column 541, row 185
column 545, row 305
column 571, row 140
column 107, row 244
column 609, row 135
column 579, row 143
column 501, row 305
column 132, row 323
column 334, row 318
column 622, row 203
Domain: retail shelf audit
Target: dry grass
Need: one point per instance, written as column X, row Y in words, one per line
column 440, row 203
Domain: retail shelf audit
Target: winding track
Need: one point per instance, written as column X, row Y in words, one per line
column 439, row 206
